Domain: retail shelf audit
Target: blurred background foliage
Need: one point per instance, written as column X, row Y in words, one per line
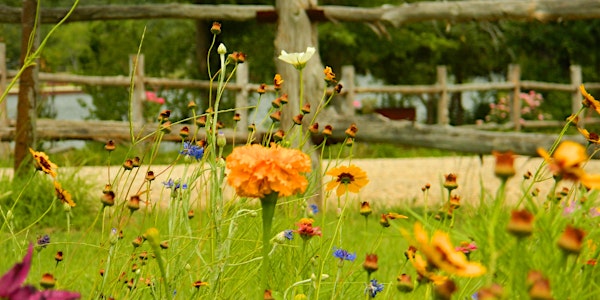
column 405, row 55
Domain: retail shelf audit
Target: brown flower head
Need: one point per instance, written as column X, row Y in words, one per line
column 150, row 176
column 237, row 117
column 134, row 203
column 262, row 88
column 278, row 135
column 351, row 131
column 201, row 121
column 405, row 283
column 504, row 164
column 199, row 283
column 539, row 286
column 184, row 132
column 450, row 182
column 276, row 116
column 571, row 240
column 305, row 109
column 520, row 223
column 338, row 88
column 216, row 28
column 59, row 256
column 384, row 221
column 110, row 146
column 314, row 128
column 163, row 116
column 493, row 292
column 365, row 208
column 191, row 104
column 43, row 163
column 48, row 281
column 445, row 290
column 277, row 103
column 328, row 130
column 277, row 82
column 256, row 171
column 370, row 264
column 298, row 119
column 128, row 164
column 108, row 198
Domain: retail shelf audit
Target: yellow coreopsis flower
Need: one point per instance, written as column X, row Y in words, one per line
column 43, row 163
column 440, row 252
column 347, row 179
column 566, row 163
column 589, row 100
column 256, row 171
column 63, row 195
column 297, row 59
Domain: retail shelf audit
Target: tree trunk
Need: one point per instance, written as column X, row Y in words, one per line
column 26, row 107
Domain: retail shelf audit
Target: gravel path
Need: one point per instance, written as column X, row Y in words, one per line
column 397, row 182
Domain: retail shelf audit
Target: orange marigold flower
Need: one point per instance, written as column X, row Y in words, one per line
column 566, row 163
column 63, row 195
column 256, row 171
column 347, row 179
column 43, row 163
column 440, row 252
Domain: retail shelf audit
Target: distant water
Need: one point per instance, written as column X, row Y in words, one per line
column 66, row 107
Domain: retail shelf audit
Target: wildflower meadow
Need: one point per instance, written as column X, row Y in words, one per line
column 252, row 220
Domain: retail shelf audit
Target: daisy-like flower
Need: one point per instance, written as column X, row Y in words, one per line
column 43, row 163
column 343, row 254
column 297, row 59
column 306, row 229
column 347, row 179
column 591, row 137
column 373, row 288
column 191, row 150
column 256, row 171
column 440, row 252
column 566, row 163
column 63, row 195
column 589, row 100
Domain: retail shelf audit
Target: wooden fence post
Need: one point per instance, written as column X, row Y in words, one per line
column 514, row 76
column 442, row 82
column 136, row 69
column 347, row 107
column 576, row 80
column 241, row 97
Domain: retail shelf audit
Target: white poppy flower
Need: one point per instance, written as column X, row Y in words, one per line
column 298, row 60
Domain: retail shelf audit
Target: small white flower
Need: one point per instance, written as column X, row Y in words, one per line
column 298, row 60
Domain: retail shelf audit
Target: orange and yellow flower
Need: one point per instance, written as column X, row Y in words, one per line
column 589, row 100
column 591, row 137
column 347, row 179
column 63, row 195
column 566, row 163
column 441, row 254
column 43, row 163
column 256, row 171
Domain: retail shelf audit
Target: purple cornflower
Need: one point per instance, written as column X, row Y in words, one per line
column 571, row 207
column 192, row 150
column 373, row 288
column 43, row 241
column 343, row 254
column 11, row 283
column 171, row 184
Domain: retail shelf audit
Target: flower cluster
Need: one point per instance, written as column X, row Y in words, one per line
column 530, row 108
column 256, row 170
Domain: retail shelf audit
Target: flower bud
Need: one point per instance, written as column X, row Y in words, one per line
column 520, row 223
column 48, row 281
column 216, row 28
column 370, row 264
column 221, row 140
column 221, row 49
column 405, row 283
column 571, row 241
column 110, row 146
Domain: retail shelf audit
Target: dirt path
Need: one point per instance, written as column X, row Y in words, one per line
column 393, row 182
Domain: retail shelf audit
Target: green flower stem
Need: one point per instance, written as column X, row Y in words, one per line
column 497, row 206
column 268, row 204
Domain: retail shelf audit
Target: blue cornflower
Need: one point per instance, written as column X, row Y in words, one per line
column 171, row 184
column 373, row 288
column 192, row 150
column 288, row 234
column 314, row 208
column 43, row 241
column 343, row 254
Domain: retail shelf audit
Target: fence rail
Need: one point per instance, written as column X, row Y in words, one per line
column 243, row 88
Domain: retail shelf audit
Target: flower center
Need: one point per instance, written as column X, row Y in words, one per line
column 345, row 178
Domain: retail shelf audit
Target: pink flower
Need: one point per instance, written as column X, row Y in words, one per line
column 11, row 284
column 466, row 248
column 151, row 97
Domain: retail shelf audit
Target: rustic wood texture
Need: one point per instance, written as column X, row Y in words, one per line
column 451, row 11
